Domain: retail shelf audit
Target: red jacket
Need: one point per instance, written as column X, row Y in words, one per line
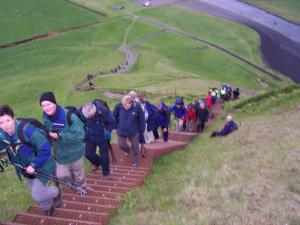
column 191, row 115
column 209, row 101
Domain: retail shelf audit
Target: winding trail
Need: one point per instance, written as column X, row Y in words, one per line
column 48, row 35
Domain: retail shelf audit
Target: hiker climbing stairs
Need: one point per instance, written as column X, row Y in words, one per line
column 106, row 196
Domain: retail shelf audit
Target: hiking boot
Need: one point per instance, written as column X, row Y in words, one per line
column 57, row 201
column 107, row 177
column 143, row 152
column 81, row 191
column 134, row 164
column 50, row 211
column 94, row 168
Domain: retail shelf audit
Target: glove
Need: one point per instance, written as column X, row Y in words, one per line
column 107, row 135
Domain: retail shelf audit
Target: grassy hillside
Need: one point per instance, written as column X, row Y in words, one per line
column 248, row 177
column 23, row 19
column 289, row 9
column 232, row 36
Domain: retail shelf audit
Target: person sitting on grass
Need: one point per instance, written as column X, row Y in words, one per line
column 227, row 129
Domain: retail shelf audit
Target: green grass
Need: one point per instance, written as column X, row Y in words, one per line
column 24, row 19
column 288, row 9
column 161, row 60
column 109, row 7
column 57, row 64
column 232, row 36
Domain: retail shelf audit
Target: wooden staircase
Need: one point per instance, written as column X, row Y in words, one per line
column 106, row 196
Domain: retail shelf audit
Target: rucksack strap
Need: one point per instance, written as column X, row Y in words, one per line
column 69, row 120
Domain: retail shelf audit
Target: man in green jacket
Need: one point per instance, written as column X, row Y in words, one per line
column 34, row 155
column 69, row 141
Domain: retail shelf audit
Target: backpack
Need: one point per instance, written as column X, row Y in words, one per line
column 110, row 118
column 74, row 110
column 34, row 122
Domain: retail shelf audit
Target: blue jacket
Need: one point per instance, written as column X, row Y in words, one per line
column 70, row 145
column 129, row 122
column 103, row 120
column 153, row 116
column 179, row 112
column 36, row 151
column 228, row 128
column 164, row 116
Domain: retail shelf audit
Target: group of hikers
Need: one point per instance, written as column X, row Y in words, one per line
column 57, row 146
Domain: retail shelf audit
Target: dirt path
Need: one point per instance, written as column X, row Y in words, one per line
column 48, row 35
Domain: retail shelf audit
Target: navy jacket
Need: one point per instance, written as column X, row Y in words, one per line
column 202, row 114
column 129, row 122
column 179, row 112
column 103, row 119
column 153, row 116
column 164, row 116
column 228, row 128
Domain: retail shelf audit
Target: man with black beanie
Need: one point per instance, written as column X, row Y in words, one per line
column 68, row 138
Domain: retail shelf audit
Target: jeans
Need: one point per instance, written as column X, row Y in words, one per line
column 133, row 149
column 200, row 125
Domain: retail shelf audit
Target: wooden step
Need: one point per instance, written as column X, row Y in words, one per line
column 33, row 219
column 110, row 183
column 89, row 207
column 96, row 193
column 114, row 179
column 72, row 214
column 182, row 136
column 93, row 200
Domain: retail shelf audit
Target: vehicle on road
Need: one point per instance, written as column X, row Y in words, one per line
column 147, row 3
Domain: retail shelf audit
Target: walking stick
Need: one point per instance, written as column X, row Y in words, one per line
column 112, row 152
column 71, row 185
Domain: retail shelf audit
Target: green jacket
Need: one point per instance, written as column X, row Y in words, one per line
column 70, row 145
column 36, row 150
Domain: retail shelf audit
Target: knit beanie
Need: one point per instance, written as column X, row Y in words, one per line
column 48, row 96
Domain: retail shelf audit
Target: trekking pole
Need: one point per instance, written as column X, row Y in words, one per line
column 112, row 152
column 71, row 185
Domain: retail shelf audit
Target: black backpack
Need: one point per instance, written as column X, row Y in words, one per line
column 74, row 110
column 34, row 122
